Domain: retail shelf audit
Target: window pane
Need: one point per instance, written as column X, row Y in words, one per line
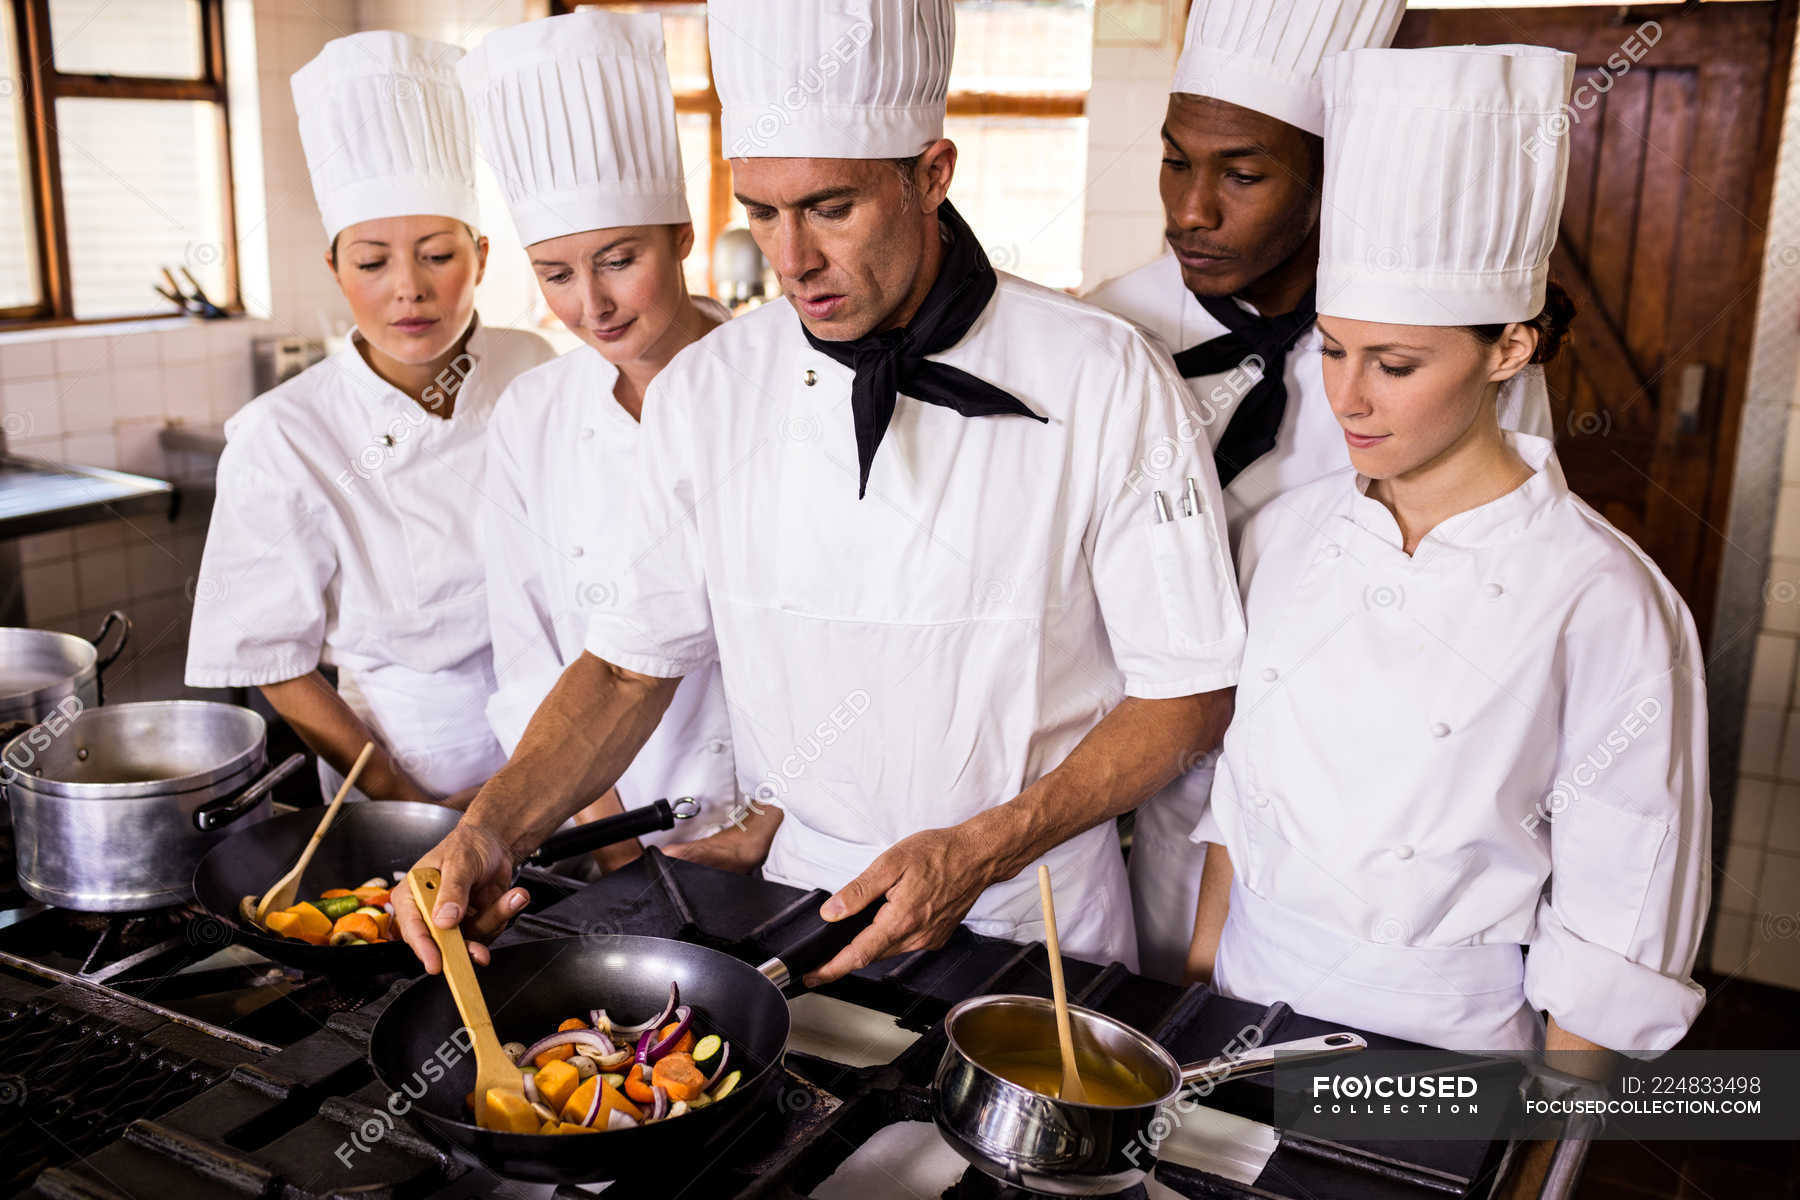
column 142, row 190
column 684, row 36
column 18, row 237
column 1018, row 184
column 695, row 133
column 154, row 38
column 1023, row 46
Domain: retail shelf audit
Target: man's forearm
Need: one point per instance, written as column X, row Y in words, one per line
column 580, row 740
column 1134, row 751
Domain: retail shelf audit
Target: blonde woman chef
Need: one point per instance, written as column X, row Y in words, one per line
column 575, row 116
column 344, row 530
column 1465, row 792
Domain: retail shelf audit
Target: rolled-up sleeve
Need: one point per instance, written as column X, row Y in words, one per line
column 260, row 598
column 653, row 616
column 1167, row 592
column 1630, row 829
column 526, row 659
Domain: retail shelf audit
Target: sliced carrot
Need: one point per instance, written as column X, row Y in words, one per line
column 334, row 893
column 572, row 1023
column 556, row 1082
column 639, row 1088
column 355, row 925
column 685, row 1045
column 553, row 1054
column 677, row 1075
column 372, row 896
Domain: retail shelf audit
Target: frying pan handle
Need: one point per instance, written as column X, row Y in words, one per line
column 219, row 813
column 1265, row 1058
column 104, row 660
column 633, row 822
column 815, row 942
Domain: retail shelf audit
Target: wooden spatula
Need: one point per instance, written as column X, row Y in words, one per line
column 1065, row 1038
column 282, row 894
column 499, row 1084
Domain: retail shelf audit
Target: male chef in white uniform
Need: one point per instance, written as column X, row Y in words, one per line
column 1243, row 160
column 907, row 510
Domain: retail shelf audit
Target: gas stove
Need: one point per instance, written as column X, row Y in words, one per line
column 145, row 1056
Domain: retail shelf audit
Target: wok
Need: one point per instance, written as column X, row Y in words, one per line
column 532, row 986
column 368, row 839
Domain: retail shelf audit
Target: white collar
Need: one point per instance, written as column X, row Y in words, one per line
column 1500, row 519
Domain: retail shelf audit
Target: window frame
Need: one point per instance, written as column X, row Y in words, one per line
column 41, row 85
column 1045, row 105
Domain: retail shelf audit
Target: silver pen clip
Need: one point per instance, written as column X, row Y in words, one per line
column 1190, row 501
column 1162, row 509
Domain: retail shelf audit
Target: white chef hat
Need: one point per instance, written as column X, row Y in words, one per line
column 1265, row 55
column 385, row 130
column 831, row 78
column 578, row 122
column 1444, row 175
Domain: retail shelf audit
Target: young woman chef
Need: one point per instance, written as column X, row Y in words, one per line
column 344, row 531
column 575, row 116
column 1466, row 781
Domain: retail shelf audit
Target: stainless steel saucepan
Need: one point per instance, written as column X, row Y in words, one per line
column 1034, row 1141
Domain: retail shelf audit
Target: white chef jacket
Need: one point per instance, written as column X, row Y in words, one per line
column 344, row 533
column 1165, row 866
column 909, row 660
column 1496, row 743
column 562, row 459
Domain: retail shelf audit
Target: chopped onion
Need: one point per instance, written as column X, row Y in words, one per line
column 619, row 1120
column 600, row 1021
column 575, row 1037
column 656, row 1022
column 593, row 1107
column 683, row 1016
column 610, row 1063
column 542, row 1110
column 531, row 1090
column 719, row 1071
column 661, row 1108
column 678, row 1109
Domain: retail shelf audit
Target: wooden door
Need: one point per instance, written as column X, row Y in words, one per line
column 1673, row 136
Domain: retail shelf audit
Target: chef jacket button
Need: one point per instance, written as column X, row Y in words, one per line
column 575, row 552
column 716, row 746
column 1270, row 674
column 1439, row 730
column 1494, row 591
column 1333, row 550
column 1402, row 851
column 587, row 434
column 1260, row 800
column 811, row 378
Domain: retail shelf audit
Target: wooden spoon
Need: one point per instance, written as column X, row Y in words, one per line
column 1065, row 1037
column 495, row 1071
column 282, row 894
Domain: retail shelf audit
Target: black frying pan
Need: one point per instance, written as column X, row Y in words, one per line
column 531, row 987
column 368, row 839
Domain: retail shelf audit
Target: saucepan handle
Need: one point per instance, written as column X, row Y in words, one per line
column 104, row 659
column 1265, row 1058
column 633, row 822
column 219, row 813
column 815, row 942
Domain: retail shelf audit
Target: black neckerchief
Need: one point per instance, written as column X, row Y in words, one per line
column 894, row 360
column 1250, row 433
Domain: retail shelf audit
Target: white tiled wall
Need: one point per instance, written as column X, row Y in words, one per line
column 1126, row 102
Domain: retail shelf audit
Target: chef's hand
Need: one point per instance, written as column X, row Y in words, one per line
column 739, row 848
column 476, row 893
column 931, row 881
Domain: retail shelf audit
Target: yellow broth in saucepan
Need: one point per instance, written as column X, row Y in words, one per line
column 1108, row 1083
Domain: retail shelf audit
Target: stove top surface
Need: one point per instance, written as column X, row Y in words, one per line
column 241, row 1077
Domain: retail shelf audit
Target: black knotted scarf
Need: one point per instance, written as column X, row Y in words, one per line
column 1251, row 431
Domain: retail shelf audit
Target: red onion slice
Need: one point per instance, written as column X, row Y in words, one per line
column 645, row 1041
column 656, row 1022
column 594, row 1105
column 574, row 1037
column 619, row 1120
column 683, row 1016
column 719, row 1071
column 661, row 1108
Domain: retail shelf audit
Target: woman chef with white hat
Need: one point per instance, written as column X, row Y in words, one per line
column 575, row 116
column 344, row 530
column 1466, row 782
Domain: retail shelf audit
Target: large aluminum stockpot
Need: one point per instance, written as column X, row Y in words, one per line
column 113, row 808
column 41, row 669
